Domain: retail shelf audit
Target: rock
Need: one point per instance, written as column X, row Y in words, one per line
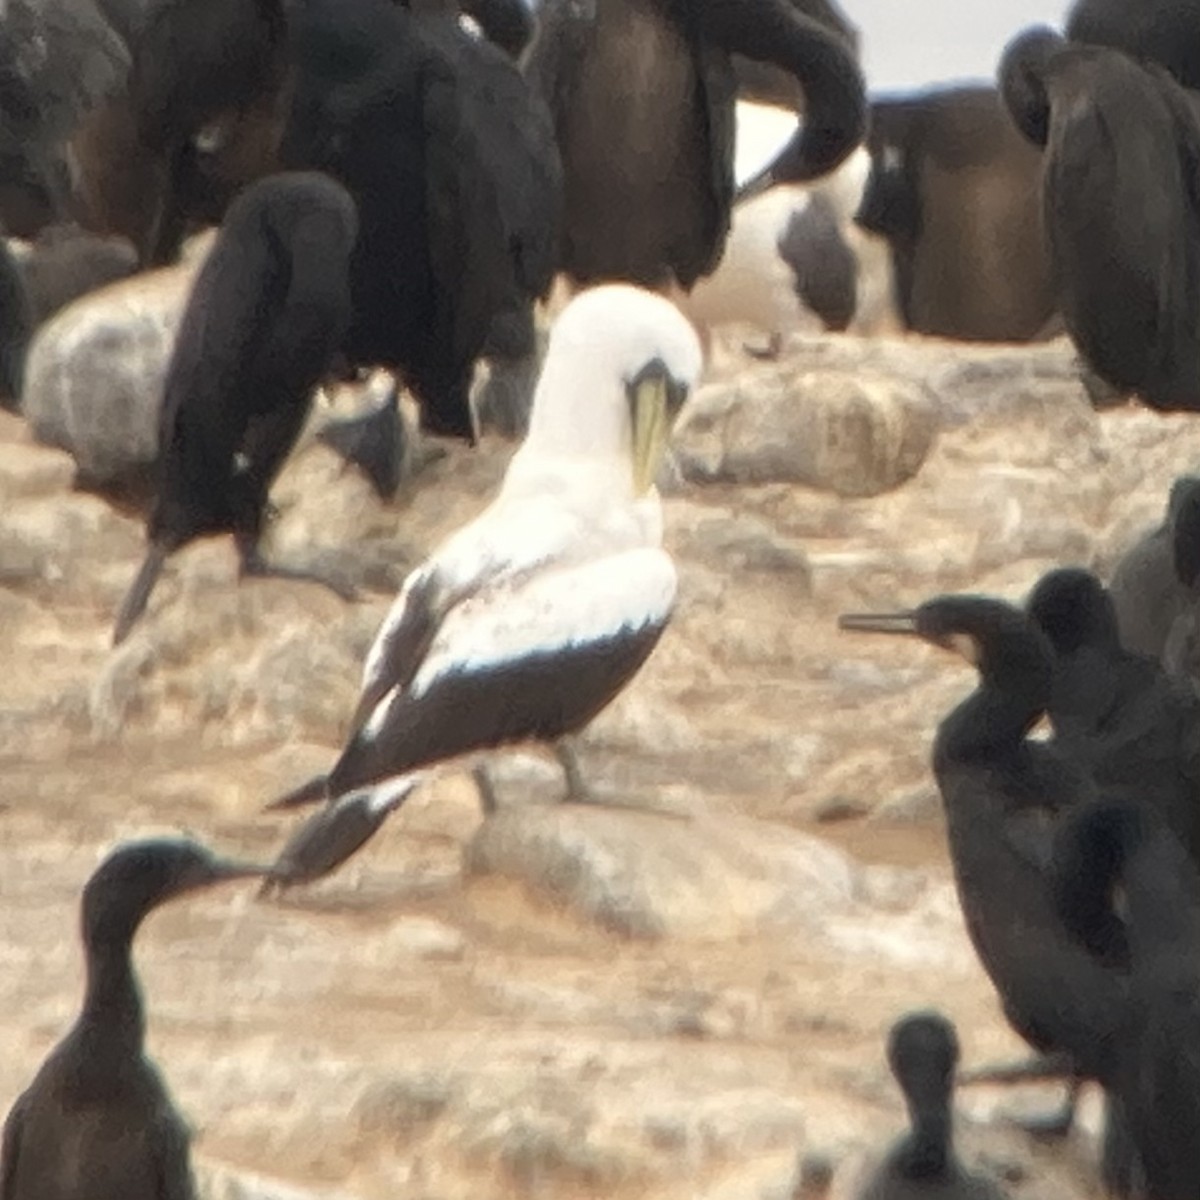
column 664, row 875
column 94, row 375
column 216, row 1182
column 851, row 433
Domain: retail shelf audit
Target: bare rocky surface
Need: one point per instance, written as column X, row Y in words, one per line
column 673, row 992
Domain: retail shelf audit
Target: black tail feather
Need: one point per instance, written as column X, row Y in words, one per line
column 314, row 791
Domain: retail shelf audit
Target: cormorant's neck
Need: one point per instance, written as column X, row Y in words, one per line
column 1164, row 900
column 926, row 1150
column 1016, row 677
column 113, row 1000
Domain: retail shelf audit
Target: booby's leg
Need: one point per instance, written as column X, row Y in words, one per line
column 577, row 789
column 486, row 789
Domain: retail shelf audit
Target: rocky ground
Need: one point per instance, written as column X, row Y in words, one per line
column 672, row 993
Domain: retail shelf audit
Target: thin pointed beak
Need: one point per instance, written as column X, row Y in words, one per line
column 226, row 869
column 897, row 622
column 651, row 429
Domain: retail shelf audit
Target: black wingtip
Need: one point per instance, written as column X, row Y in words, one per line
column 312, row 792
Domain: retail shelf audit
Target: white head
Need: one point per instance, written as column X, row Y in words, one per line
column 620, row 364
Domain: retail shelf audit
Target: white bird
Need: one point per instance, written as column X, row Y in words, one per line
column 526, row 622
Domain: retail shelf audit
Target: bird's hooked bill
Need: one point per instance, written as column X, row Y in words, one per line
column 895, row 622
column 655, row 399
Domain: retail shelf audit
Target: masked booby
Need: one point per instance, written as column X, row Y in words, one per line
column 530, row 619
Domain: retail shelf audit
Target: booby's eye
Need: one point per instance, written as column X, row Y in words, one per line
column 657, row 373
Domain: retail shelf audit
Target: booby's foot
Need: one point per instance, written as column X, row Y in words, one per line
column 255, row 566
column 577, row 789
column 768, row 353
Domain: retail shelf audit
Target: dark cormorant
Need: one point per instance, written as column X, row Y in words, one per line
column 261, row 327
column 1154, row 584
column 97, row 1122
column 922, row 1052
column 1121, row 206
column 1116, row 714
column 1003, row 795
column 1157, row 1081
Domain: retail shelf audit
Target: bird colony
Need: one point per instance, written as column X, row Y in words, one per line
column 608, row 290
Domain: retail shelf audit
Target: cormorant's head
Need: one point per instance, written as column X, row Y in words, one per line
column 620, row 364
column 1073, row 609
column 138, row 876
column 1183, row 517
column 923, row 1055
column 966, row 625
column 1021, row 74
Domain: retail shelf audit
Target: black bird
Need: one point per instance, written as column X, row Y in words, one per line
column 1157, row 1081
column 1118, row 715
column 1003, row 795
column 1121, row 204
column 261, row 327
column 1154, row 584
column 97, row 1122
column 922, row 1052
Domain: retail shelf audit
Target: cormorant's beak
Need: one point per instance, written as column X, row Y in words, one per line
column 962, row 644
column 655, row 399
column 219, row 870
column 897, row 622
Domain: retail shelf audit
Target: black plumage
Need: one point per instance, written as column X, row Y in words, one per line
column 97, row 1122
column 642, row 94
column 953, row 189
column 1134, row 729
column 1162, row 31
column 452, row 163
column 58, row 60
column 1154, row 582
column 922, row 1052
column 16, row 328
column 1157, row 1080
column 66, row 262
column 1121, row 203
column 266, row 314
column 1004, row 795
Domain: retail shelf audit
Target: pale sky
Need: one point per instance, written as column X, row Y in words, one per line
column 908, row 45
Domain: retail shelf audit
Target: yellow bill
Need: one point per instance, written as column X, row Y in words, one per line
column 651, row 430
